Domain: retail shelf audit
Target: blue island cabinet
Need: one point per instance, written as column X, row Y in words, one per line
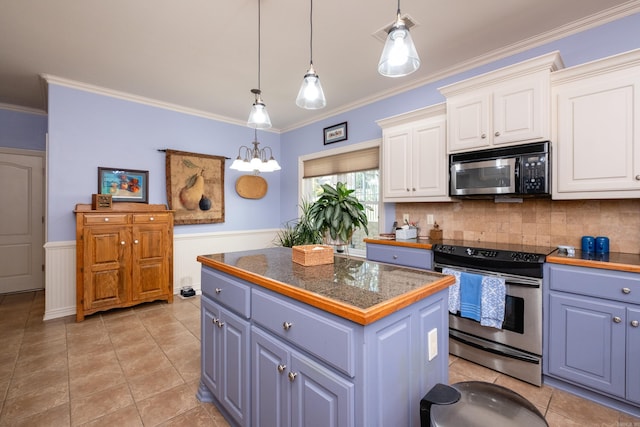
column 305, row 367
column 592, row 334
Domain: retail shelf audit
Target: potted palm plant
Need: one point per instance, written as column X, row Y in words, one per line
column 336, row 214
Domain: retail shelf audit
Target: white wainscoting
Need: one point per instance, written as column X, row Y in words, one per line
column 60, row 262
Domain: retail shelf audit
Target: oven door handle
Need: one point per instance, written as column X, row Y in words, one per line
column 502, row 350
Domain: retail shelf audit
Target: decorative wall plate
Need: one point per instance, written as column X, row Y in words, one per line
column 251, row 186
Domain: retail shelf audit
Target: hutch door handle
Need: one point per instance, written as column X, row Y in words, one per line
column 122, row 242
column 136, row 241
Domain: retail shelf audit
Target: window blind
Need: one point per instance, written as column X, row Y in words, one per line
column 353, row 161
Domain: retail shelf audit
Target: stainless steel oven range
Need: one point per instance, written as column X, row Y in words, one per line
column 516, row 348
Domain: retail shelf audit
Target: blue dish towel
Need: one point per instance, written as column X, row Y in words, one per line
column 454, row 291
column 493, row 297
column 471, row 296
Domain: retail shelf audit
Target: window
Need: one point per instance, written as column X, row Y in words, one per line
column 358, row 169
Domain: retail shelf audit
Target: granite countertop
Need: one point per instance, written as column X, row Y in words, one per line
column 353, row 288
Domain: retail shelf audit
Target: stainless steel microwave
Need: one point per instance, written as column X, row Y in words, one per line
column 519, row 171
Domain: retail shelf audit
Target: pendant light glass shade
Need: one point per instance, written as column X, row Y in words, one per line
column 399, row 56
column 259, row 116
column 311, row 95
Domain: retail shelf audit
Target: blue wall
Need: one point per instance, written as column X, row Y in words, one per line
column 26, row 131
column 87, row 130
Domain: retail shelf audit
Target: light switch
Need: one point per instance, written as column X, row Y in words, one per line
column 433, row 344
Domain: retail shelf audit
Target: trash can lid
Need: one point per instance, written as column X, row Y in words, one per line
column 487, row 404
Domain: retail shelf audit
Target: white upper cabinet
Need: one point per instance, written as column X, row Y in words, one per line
column 596, row 128
column 414, row 157
column 508, row 106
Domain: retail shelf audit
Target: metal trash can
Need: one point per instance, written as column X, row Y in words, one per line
column 477, row 404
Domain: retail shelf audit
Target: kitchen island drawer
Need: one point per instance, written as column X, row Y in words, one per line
column 614, row 285
column 408, row 257
column 226, row 290
column 331, row 341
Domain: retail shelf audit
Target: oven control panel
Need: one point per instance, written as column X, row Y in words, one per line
column 469, row 252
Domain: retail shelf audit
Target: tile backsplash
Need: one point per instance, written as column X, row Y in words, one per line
column 539, row 222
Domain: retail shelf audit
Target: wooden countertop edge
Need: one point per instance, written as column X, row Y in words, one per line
column 403, row 243
column 346, row 311
column 593, row 264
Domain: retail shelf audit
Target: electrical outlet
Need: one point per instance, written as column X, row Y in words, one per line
column 405, row 218
column 433, row 344
column 430, row 219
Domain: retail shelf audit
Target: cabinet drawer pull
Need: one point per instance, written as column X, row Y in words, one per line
column 617, row 319
column 635, row 323
column 287, row 325
column 122, row 242
column 281, row 368
column 218, row 290
column 626, row 290
column 106, row 220
column 151, row 218
column 395, row 257
column 292, row 376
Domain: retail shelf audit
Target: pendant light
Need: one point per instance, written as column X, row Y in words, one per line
column 258, row 117
column 311, row 95
column 399, row 56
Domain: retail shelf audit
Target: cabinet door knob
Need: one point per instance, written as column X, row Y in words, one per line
column 395, row 257
column 122, row 242
column 292, row 376
column 106, row 220
column 497, row 133
column 637, row 177
column 408, row 190
column 287, row 325
column 483, row 136
column 135, row 241
column 617, row 319
column 281, row 368
column 413, row 189
column 219, row 323
column 626, row 290
column 218, row 290
column 635, row 323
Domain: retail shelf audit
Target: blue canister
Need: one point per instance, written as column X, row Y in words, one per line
column 588, row 244
column 602, row 245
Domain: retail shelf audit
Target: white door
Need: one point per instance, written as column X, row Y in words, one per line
column 21, row 221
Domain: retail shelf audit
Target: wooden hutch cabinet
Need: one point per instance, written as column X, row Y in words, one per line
column 124, row 256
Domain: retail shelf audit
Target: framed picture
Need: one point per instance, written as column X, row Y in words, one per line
column 335, row 133
column 124, row 185
column 195, row 187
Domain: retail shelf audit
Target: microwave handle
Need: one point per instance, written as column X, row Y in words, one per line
column 516, row 168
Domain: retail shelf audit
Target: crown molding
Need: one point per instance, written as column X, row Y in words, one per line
column 21, row 109
column 86, row 87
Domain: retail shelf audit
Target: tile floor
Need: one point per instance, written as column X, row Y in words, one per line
column 140, row 367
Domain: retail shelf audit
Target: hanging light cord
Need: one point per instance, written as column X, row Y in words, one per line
column 259, row 32
column 311, row 37
column 398, row 8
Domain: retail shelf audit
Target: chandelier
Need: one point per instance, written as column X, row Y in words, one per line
column 255, row 159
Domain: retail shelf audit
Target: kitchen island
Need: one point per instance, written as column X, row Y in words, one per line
column 353, row 343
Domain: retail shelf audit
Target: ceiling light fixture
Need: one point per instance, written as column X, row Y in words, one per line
column 399, row 56
column 259, row 117
column 255, row 159
column 311, row 95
